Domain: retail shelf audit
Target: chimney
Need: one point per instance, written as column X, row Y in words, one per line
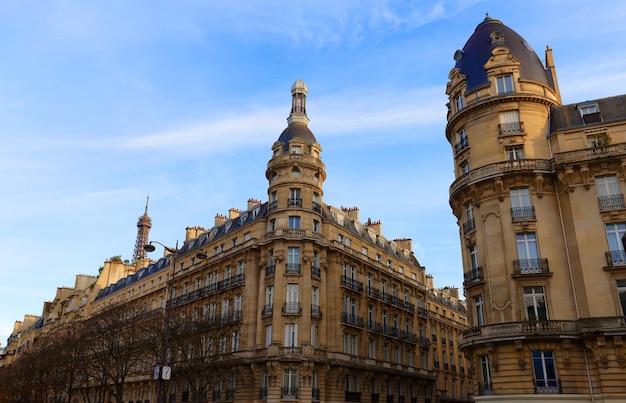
column 252, row 203
column 351, row 212
column 193, row 232
column 430, row 281
column 233, row 213
column 377, row 226
column 405, row 243
column 220, row 219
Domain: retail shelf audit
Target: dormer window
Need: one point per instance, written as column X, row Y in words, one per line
column 589, row 112
column 296, row 149
column 504, row 84
column 458, row 102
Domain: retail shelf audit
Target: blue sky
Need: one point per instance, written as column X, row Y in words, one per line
column 103, row 103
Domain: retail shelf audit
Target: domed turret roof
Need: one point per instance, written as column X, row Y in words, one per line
column 487, row 36
column 299, row 130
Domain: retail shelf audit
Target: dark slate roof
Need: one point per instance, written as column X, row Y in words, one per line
column 568, row 116
column 294, row 130
column 478, row 48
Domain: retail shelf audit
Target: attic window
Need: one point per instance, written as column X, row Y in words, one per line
column 590, row 113
column 458, row 55
column 296, row 149
column 497, row 38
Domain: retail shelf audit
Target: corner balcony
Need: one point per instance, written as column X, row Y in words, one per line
column 469, row 226
column 510, row 128
column 472, row 277
column 520, row 330
column 500, row 169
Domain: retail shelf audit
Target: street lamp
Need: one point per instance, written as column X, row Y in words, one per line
column 163, row 372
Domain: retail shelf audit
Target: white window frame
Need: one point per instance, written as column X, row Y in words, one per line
column 535, row 303
column 504, row 84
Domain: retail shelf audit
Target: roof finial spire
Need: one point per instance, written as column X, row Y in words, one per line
column 298, row 103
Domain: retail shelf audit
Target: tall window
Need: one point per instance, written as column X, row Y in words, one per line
column 478, row 309
column 314, row 335
column 294, row 221
column 614, row 234
column 293, row 260
column 621, row 292
column 473, row 254
column 317, row 206
column 510, row 123
column 461, row 141
column 535, row 303
column 504, row 84
column 295, row 198
column 464, row 167
column 290, row 384
column 545, row 372
column 351, row 344
column 371, row 349
column 609, row 195
column 528, row 253
column 521, row 207
column 291, row 335
column 469, row 224
column 458, row 102
column 486, row 375
column 268, row 335
column 292, row 304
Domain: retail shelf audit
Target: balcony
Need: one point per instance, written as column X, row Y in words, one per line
column 351, row 283
column 294, row 202
column 520, row 330
column 272, row 205
column 499, row 169
column 522, row 267
column 615, row 258
column 473, row 276
column 485, row 389
column 547, row 386
column 422, row 312
column 611, row 202
column 352, row 396
column 373, row 292
column 289, row 393
column 511, row 128
column 315, row 271
column 292, row 308
column 352, row 319
column 268, row 309
column 469, row 226
column 316, row 312
column 611, row 150
column 317, row 207
column 269, row 270
column 292, row 268
column 526, row 213
column 460, row 146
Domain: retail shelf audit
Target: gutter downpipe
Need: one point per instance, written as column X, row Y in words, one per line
column 569, row 267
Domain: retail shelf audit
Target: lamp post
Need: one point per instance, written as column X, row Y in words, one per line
column 163, row 372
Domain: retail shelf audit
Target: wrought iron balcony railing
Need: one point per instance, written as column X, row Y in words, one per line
column 530, row 266
column 292, row 308
column 294, row 202
column 351, row 283
column 292, row 268
column 460, row 146
column 526, row 213
column 615, row 258
column 611, row 202
column 473, row 276
column 469, row 226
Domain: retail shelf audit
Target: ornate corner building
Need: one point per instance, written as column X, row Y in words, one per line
column 291, row 300
column 538, row 197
